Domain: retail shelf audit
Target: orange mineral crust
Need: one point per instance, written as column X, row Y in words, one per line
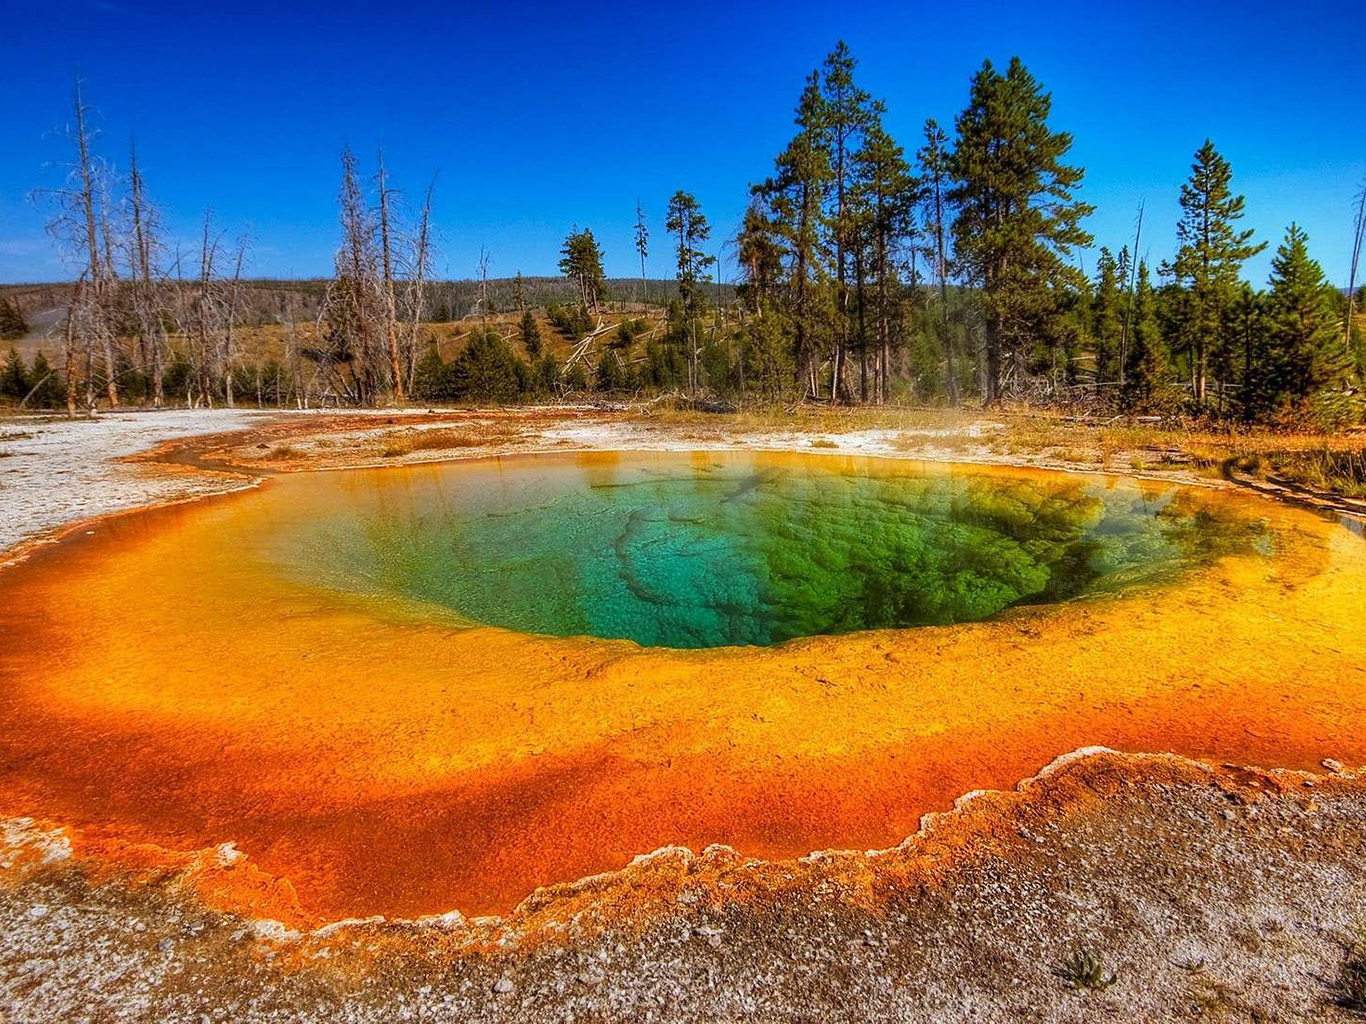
column 162, row 686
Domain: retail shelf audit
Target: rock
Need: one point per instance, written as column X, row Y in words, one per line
column 1333, row 766
column 712, row 935
column 37, row 910
column 165, row 946
column 503, row 986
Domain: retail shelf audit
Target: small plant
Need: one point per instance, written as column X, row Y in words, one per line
column 1351, row 984
column 1084, row 971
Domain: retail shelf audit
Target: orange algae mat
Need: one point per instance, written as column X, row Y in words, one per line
column 163, row 681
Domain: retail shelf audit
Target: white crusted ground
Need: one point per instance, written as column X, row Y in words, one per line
column 54, row 470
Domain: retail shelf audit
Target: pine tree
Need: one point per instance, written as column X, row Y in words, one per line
column 14, row 382
column 933, row 158
column 531, row 334
column 581, row 262
column 1017, row 221
column 1312, row 362
column 760, row 256
column 610, row 377
column 1210, row 255
column 574, row 378
column 642, row 250
column 846, row 113
column 795, row 195
column 545, row 375
column 686, row 221
column 885, row 192
column 1107, row 321
column 1250, row 348
column 766, row 356
column 430, row 375
column 1146, row 369
column 48, row 389
column 12, row 324
column 485, row 371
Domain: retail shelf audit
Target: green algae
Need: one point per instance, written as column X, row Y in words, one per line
column 690, row 552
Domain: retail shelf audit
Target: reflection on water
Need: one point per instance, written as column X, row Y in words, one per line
column 703, row 551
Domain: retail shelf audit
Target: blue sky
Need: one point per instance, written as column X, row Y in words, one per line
column 539, row 117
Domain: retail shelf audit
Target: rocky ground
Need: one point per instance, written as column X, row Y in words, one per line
column 1206, row 892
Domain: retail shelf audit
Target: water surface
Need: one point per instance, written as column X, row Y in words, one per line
column 700, row 550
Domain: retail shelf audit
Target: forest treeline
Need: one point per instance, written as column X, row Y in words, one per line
column 944, row 269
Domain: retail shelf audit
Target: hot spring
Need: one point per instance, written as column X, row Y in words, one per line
column 406, row 691
column 712, row 550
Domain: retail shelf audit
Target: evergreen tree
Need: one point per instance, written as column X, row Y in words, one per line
column 1312, row 363
column 611, row 378
column 1146, row 369
column 49, row 391
column 574, row 378
column 1017, row 218
column 1251, row 350
column 795, row 195
column 1210, row 255
column 760, row 256
column 642, row 250
column 846, row 113
column 485, row 371
column 12, row 323
column 545, row 376
column 766, row 356
column 686, row 221
column 430, row 375
column 518, row 292
column 1107, row 321
column 531, row 334
column 14, row 381
column 581, row 262
column 884, row 192
column 933, row 158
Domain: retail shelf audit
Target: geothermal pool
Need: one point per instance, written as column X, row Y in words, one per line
column 708, row 551
column 406, row 691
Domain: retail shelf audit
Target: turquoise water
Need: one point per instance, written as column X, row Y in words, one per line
column 701, row 551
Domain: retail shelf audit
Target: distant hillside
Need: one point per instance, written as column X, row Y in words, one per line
column 271, row 301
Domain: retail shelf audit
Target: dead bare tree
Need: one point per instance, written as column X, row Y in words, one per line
column 69, row 344
column 419, row 266
column 485, row 303
column 1358, row 236
column 207, row 318
column 230, row 320
column 390, row 307
column 80, row 207
column 1131, row 288
column 350, row 320
column 152, row 341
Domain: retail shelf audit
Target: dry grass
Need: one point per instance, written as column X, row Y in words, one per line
column 444, row 439
column 815, row 420
column 284, row 453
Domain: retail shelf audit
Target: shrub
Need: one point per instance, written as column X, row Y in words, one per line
column 1083, row 970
